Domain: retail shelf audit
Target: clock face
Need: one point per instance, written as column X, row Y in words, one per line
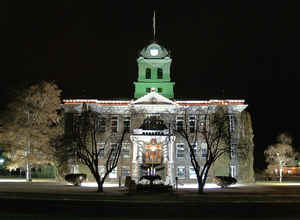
column 154, row 52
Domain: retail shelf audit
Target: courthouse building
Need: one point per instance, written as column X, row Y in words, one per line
column 150, row 141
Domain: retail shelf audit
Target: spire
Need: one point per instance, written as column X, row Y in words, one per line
column 154, row 26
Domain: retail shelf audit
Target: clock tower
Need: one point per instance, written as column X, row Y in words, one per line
column 154, row 66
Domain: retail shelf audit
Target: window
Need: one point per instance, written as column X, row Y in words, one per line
column 100, row 147
column 114, row 148
column 231, row 123
column 126, row 150
column 181, row 172
column 148, row 90
column 194, row 146
column 114, row 124
column 101, row 124
column 192, row 173
column 203, row 150
column 113, row 174
column 179, row 123
column 125, row 171
column 127, row 124
column 180, row 150
column 101, row 171
column 159, row 90
column 192, row 124
column 148, row 73
column 201, row 122
column 159, row 73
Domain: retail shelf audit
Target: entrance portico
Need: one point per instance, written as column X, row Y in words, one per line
column 156, row 147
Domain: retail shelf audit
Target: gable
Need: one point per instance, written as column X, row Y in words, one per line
column 154, row 98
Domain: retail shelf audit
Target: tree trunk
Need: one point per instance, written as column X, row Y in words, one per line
column 200, row 185
column 201, row 188
column 100, row 185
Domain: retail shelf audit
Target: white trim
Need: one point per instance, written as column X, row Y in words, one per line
column 150, row 97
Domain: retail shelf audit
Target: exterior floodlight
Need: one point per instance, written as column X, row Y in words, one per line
column 2, row 161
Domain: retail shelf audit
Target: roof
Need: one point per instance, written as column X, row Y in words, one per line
column 154, row 51
column 155, row 98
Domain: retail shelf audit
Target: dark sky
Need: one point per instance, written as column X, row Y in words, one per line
column 248, row 49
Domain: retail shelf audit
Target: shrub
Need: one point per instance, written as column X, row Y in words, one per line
column 224, row 181
column 76, row 179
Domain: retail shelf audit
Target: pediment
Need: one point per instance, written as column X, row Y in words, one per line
column 154, row 98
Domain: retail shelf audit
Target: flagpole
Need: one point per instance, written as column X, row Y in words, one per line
column 154, row 26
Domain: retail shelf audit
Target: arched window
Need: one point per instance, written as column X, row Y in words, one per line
column 148, row 73
column 159, row 73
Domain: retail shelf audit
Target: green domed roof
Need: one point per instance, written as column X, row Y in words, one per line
column 154, row 51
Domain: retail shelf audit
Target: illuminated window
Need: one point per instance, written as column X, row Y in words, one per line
column 148, row 73
column 126, row 150
column 203, row 150
column 101, row 171
column 192, row 173
column 113, row 174
column 100, row 147
column 159, row 90
column 159, row 73
column 180, row 150
column 181, row 172
column 114, row 124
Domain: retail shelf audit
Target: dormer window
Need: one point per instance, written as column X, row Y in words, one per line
column 148, row 73
column 159, row 73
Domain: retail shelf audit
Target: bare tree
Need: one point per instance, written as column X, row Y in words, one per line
column 211, row 126
column 87, row 133
column 280, row 154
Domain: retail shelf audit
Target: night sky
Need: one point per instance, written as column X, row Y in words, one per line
column 233, row 50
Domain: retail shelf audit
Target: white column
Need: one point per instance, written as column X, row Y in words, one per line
column 140, row 154
column 134, row 168
column 166, row 152
column 171, row 160
column 134, row 157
